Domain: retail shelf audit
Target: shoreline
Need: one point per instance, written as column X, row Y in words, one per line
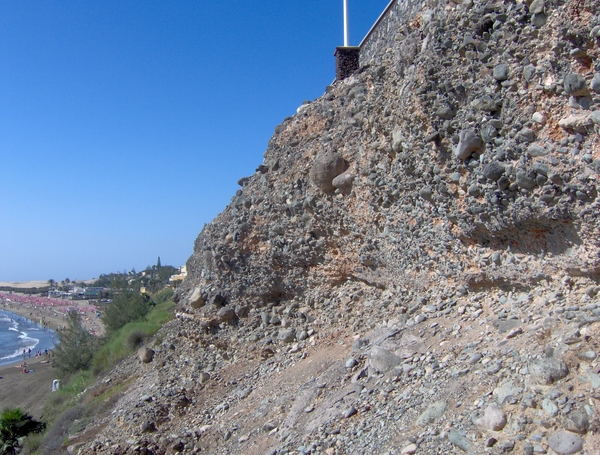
column 52, row 311
column 47, row 339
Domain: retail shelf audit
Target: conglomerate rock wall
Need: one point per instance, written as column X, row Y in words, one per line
column 468, row 137
column 414, row 266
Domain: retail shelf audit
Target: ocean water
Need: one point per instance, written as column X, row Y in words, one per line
column 18, row 333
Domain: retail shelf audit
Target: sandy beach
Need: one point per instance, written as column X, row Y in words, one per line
column 27, row 391
column 51, row 311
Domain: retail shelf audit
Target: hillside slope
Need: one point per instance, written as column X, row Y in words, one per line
column 412, row 269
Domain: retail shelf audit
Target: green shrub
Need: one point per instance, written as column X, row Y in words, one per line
column 32, row 443
column 64, row 409
column 67, row 396
column 76, row 346
column 125, row 340
column 136, row 338
column 78, row 425
column 126, row 307
column 162, row 296
column 55, row 436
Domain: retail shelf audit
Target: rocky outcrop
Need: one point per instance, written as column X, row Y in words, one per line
column 419, row 247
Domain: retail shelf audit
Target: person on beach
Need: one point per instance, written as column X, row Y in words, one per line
column 29, row 352
column 24, row 354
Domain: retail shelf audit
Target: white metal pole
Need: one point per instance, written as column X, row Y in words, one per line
column 346, row 39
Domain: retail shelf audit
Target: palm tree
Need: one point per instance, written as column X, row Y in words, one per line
column 14, row 425
column 51, row 283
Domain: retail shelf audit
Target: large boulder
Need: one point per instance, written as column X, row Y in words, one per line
column 197, row 300
column 326, row 167
column 145, row 354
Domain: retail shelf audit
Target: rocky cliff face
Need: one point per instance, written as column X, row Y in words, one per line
column 414, row 266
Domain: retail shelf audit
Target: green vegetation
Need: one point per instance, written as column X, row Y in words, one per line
column 163, row 296
column 67, row 396
column 76, row 346
column 126, row 306
column 137, row 306
column 43, row 291
column 15, row 425
column 153, row 278
column 125, row 340
column 130, row 320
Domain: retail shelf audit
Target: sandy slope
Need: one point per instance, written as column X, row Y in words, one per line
column 24, row 284
column 32, row 284
column 27, row 391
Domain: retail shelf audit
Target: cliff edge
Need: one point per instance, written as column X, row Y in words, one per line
column 414, row 266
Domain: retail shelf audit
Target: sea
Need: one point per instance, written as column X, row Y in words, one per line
column 18, row 333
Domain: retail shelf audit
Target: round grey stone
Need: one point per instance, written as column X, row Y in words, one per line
column 577, row 422
column 343, row 182
column 565, row 443
column 226, row 314
column 549, row 370
column 550, row 407
column 494, row 170
column 488, row 133
column 529, row 72
column 539, row 20
column 474, row 190
column 325, row 168
column 537, row 7
column 595, row 84
column 286, row 335
column 575, row 85
column 145, row 354
column 541, row 168
column 433, row 412
column 525, row 135
column 500, row 72
column 536, row 150
column 494, row 418
column 445, row 112
column 196, row 299
column 525, row 181
column 383, row 360
column 426, row 193
column 459, row 440
column 587, row 355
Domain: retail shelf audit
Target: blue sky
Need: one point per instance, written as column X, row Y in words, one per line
column 125, row 125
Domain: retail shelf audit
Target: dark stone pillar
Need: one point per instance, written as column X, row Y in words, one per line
column 346, row 61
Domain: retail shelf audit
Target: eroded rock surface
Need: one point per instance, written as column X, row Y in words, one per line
column 457, row 231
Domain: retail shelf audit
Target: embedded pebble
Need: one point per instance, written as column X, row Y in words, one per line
column 565, row 443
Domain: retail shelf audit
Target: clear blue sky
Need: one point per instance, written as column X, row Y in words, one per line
column 125, row 125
